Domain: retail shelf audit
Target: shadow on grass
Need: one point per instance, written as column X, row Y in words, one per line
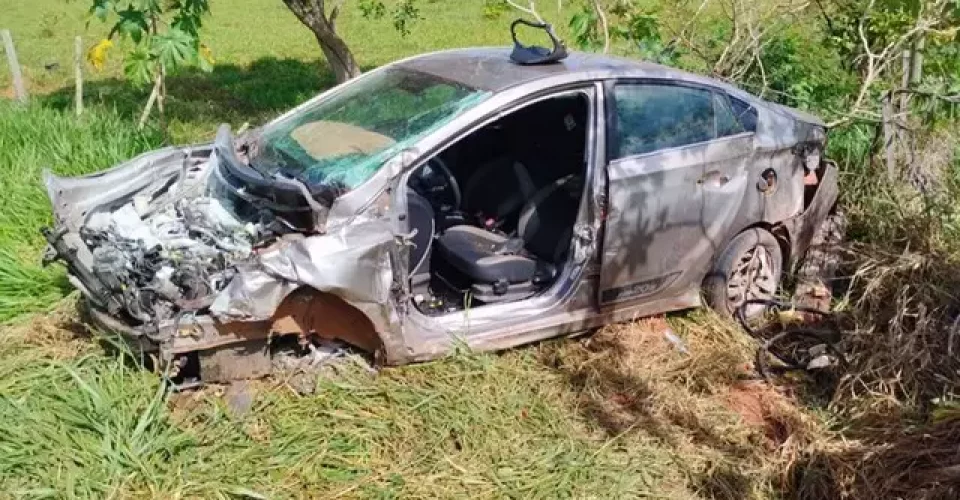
column 619, row 399
column 723, row 428
column 916, row 464
column 634, row 384
column 230, row 93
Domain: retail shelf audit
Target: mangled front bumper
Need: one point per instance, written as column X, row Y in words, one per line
column 334, row 284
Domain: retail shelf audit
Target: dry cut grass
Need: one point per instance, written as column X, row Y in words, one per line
column 897, row 431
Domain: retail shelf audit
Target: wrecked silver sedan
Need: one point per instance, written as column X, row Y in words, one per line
column 455, row 198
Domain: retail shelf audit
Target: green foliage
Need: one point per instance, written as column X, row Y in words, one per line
column 883, row 22
column 165, row 35
column 797, row 73
column 640, row 28
column 493, row 9
column 404, row 13
column 584, row 25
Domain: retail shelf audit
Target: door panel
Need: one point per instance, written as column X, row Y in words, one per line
column 670, row 211
column 730, row 158
column 647, row 231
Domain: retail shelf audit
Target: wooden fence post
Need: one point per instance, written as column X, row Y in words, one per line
column 78, row 71
column 18, row 86
column 889, row 124
column 150, row 101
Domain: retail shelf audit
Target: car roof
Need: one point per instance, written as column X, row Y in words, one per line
column 491, row 69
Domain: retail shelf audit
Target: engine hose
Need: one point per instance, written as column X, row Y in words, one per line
column 764, row 352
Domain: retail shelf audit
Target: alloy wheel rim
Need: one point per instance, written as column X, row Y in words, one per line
column 752, row 278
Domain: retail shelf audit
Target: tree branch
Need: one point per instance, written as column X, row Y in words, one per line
column 603, row 25
column 531, row 10
column 877, row 62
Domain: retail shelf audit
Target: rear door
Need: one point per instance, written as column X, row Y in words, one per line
column 677, row 172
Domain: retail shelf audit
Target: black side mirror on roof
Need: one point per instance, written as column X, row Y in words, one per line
column 532, row 54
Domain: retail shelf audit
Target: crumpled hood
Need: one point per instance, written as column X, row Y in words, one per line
column 75, row 197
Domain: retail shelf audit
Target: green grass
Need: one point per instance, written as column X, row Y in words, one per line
column 32, row 139
column 558, row 421
column 266, row 61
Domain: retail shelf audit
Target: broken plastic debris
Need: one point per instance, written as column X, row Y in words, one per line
column 820, row 362
column 676, row 341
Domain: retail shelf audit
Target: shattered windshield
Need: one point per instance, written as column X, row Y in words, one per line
column 341, row 141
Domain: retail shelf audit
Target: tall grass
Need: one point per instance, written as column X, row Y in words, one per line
column 33, row 138
column 84, row 425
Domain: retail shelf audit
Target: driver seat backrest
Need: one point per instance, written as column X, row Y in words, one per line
column 547, row 220
column 498, row 188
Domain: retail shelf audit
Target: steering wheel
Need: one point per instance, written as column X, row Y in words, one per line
column 452, row 183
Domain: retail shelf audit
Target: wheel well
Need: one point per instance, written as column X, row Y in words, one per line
column 780, row 233
column 308, row 311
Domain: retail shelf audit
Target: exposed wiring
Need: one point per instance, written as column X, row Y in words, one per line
column 828, row 339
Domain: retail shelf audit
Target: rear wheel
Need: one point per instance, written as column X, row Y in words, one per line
column 749, row 268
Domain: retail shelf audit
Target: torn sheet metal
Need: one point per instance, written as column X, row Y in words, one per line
column 353, row 263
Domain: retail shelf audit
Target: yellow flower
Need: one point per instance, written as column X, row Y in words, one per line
column 97, row 55
column 207, row 54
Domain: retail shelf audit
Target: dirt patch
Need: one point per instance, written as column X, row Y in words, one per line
column 747, row 400
column 759, row 405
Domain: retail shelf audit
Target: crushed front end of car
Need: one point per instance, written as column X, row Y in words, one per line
column 202, row 268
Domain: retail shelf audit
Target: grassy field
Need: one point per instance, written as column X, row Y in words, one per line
column 266, row 61
column 621, row 414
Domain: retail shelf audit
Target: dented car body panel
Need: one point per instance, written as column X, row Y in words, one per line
column 176, row 252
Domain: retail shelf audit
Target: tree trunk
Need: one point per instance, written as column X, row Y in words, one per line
column 313, row 15
column 338, row 55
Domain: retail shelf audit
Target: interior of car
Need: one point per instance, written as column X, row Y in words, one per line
column 493, row 213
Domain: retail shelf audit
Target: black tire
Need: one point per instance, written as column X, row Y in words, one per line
column 752, row 243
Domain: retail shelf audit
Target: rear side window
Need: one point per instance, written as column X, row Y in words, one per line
column 745, row 113
column 651, row 117
column 727, row 123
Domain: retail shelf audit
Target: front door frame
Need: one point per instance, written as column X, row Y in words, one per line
column 482, row 324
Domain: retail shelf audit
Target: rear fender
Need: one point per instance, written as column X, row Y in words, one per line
column 819, row 201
